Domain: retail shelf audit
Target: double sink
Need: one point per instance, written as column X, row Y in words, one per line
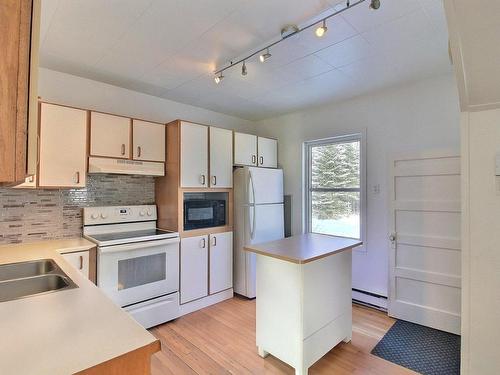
column 27, row 279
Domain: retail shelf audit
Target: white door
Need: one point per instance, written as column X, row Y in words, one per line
column 63, row 146
column 245, row 149
column 268, row 152
column 221, row 261
column 194, row 155
column 79, row 260
column 149, row 141
column 109, row 135
column 221, row 158
column 265, row 185
column 425, row 265
column 194, row 268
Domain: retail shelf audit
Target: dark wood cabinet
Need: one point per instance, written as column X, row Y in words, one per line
column 19, row 29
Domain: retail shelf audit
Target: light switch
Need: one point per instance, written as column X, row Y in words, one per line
column 497, row 169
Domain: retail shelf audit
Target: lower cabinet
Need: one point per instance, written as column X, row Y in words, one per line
column 206, row 265
column 80, row 260
column 194, row 268
column 221, row 262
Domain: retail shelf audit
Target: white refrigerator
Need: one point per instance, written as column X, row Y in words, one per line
column 258, row 217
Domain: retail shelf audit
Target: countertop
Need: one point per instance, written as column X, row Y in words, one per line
column 67, row 331
column 304, row 248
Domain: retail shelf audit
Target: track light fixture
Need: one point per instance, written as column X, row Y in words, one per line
column 218, row 78
column 321, row 30
column 287, row 32
column 263, row 57
column 374, row 4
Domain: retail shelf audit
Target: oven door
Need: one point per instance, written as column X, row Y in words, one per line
column 136, row 272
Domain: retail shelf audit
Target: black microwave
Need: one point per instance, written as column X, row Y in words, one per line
column 204, row 213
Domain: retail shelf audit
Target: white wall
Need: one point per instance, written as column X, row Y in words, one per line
column 417, row 117
column 80, row 92
column 480, row 243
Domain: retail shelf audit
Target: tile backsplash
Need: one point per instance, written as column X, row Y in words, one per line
column 32, row 215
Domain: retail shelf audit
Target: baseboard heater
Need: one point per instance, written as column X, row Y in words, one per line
column 369, row 299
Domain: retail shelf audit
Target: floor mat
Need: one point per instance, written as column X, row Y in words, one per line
column 421, row 349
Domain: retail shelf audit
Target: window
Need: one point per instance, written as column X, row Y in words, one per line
column 334, row 194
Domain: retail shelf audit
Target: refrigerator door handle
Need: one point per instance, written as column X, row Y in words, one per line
column 252, row 221
column 253, row 188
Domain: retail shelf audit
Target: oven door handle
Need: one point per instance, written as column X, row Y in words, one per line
column 137, row 245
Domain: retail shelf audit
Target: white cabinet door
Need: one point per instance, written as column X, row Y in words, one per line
column 268, row 152
column 79, row 260
column 221, row 261
column 194, row 268
column 149, row 141
column 194, row 155
column 221, row 158
column 109, row 135
column 63, row 146
column 245, row 149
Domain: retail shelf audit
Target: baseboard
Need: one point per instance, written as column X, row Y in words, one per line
column 369, row 299
column 206, row 301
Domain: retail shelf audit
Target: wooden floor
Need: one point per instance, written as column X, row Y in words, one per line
column 220, row 339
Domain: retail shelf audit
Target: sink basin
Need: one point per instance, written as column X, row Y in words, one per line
column 26, row 269
column 27, row 279
column 30, row 286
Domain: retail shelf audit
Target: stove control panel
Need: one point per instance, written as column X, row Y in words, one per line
column 118, row 214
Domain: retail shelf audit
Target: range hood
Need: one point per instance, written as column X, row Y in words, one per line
column 122, row 166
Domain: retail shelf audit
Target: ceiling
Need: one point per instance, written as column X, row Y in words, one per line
column 170, row 48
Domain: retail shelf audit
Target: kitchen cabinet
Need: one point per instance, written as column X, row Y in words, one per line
column 221, row 262
column 149, row 141
column 194, row 155
column 221, row 158
column 109, row 135
column 194, row 268
column 245, row 149
column 80, row 260
column 19, row 36
column 267, row 152
column 63, row 145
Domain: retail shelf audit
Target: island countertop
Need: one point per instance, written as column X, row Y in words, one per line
column 304, row 248
column 67, row 331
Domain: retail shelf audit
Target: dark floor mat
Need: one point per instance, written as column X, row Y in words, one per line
column 421, row 349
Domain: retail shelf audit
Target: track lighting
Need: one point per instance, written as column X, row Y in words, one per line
column 375, row 4
column 264, row 56
column 320, row 31
column 289, row 31
column 218, row 78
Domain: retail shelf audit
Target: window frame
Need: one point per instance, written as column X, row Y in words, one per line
column 307, row 177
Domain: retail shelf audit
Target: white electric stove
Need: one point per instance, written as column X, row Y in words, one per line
column 137, row 264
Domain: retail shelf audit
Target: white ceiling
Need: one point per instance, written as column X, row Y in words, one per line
column 169, row 48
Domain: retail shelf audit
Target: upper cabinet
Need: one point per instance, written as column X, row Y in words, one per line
column 19, row 34
column 267, row 152
column 255, row 151
column 63, row 145
column 221, row 158
column 245, row 149
column 193, row 155
column 109, row 135
column 149, row 141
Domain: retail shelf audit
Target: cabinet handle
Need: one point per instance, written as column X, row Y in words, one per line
column 123, row 148
column 77, row 177
column 214, row 241
column 203, row 180
column 81, row 263
column 203, row 243
column 254, row 159
column 261, row 160
column 139, row 151
column 214, row 180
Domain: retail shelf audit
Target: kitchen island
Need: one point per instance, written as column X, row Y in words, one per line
column 303, row 302
column 78, row 330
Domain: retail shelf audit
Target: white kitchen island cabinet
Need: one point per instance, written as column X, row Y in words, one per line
column 304, row 305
